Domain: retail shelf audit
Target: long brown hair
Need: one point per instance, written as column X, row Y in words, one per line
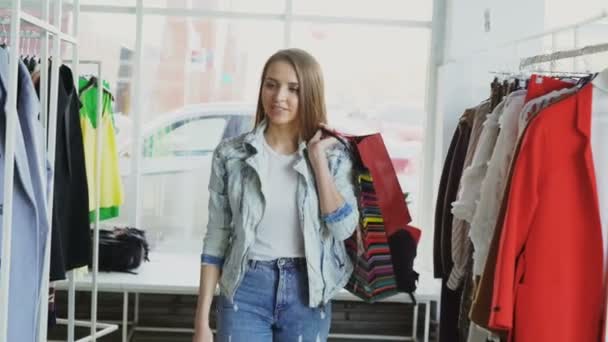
column 311, row 103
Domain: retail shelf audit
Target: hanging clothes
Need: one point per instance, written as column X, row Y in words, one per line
column 71, row 229
column 464, row 208
column 461, row 245
column 462, row 248
column 528, row 264
column 30, row 210
column 111, row 197
column 459, row 156
column 544, row 263
column 498, row 178
column 448, row 186
column 490, row 197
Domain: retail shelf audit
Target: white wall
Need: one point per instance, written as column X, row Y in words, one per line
column 508, row 20
column 471, row 52
column 563, row 12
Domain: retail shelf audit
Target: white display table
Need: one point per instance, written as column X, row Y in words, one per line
column 179, row 274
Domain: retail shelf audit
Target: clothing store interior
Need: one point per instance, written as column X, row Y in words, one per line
column 472, row 219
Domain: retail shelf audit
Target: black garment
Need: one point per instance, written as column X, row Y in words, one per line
column 449, row 315
column 442, row 257
column 448, row 190
column 71, row 244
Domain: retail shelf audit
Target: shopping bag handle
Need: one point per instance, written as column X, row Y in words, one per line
column 339, row 136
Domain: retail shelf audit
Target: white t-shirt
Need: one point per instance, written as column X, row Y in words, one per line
column 279, row 234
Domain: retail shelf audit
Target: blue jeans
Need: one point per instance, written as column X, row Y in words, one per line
column 271, row 304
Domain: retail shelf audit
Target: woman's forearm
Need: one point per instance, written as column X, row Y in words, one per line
column 329, row 197
column 209, row 276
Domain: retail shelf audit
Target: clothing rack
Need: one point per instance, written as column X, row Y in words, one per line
column 559, row 55
column 18, row 15
column 71, row 321
column 27, row 34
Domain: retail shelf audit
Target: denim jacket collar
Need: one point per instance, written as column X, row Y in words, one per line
column 254, row 141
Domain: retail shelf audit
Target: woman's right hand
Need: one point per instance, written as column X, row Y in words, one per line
column 203, row 334
column 208, row 282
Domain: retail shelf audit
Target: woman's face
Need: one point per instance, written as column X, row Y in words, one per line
column 280, row 94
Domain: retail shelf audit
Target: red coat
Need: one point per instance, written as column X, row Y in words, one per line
column 549, row 272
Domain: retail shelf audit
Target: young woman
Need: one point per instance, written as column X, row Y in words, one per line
column 281, row 204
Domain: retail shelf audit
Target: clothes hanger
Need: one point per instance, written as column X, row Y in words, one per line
column 5, row 36
column 505, row 89
column 92, row 82
column 30, row 63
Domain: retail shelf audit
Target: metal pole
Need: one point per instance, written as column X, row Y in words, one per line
column 125, row 316
column 99, row 131
column 135, row 181
column 427, row 320
column 71, row 306
column 71, row 275
column 51, row 138
column 44, row 74
column 75, row 54
column 136, row 311
column 415, row 322
column 9, row 168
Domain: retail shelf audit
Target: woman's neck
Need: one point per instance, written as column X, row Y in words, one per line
column 283, row 139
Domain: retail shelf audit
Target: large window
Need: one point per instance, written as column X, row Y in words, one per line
column 382, row 9
column 190, row 61
column 184, row 138
column 201, row 79
column 370, row 88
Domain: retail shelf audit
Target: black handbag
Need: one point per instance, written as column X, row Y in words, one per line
column 122, row 249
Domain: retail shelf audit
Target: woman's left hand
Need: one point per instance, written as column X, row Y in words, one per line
column 317, row 147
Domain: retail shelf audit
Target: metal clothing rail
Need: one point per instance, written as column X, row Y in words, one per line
column 42, row 25
column 559, row 55
column 71, row 322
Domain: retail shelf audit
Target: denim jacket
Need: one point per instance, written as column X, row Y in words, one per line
column 236, row 206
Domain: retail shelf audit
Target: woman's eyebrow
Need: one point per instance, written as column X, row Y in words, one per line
column 275, row 80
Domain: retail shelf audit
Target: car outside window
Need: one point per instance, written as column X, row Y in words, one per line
column 192, row 137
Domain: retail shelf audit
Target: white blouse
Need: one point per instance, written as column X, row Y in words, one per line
column 484, row 219
column 464, row 208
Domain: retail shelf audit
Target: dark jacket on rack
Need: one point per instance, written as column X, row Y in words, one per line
column 448, row 188
column 71, row 238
